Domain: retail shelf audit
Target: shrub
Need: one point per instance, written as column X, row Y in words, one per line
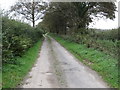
column 106, row 41
column 17, row 38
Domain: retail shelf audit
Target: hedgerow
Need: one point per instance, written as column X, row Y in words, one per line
column 17, row 38
column 106, row 41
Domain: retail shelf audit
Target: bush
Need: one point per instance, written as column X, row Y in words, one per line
column 17, row 38
column 106, row 41
column 107, row 34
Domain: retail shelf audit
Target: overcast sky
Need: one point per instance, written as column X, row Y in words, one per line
column 98, row 24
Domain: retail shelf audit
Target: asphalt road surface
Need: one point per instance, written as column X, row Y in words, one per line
column 58, row 68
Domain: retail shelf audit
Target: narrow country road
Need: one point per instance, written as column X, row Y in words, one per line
column 57, row 68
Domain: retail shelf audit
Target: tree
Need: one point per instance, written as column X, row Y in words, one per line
column 84, row 10
column 56, row 18
column 76, row 14
column 55, row 22
column 31, row 11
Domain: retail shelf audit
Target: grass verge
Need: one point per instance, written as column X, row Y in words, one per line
column 104, row 64
column 0, row 79
column 12, row 74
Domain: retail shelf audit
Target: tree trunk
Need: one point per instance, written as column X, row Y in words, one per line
column 33, row 12
column 65, row 30
column 33, row 22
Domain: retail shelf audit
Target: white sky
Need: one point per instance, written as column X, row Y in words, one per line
column 98, row 24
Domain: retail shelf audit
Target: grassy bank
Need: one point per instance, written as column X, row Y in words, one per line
column 0, row 79
column 105, row 65
column 13, row 74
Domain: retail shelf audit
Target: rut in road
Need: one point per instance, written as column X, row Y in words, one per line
column 58, row 68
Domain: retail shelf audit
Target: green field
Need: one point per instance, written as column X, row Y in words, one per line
column 13, row 74
column 104, row 64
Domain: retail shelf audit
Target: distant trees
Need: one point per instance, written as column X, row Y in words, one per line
column 31, row 11
column 63, row 17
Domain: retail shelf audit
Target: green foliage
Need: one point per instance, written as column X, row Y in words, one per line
column 105, row 65
column 13, row 74
column 62, row 17
column 107, row 34
column 17, row 38
column 106, row 41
